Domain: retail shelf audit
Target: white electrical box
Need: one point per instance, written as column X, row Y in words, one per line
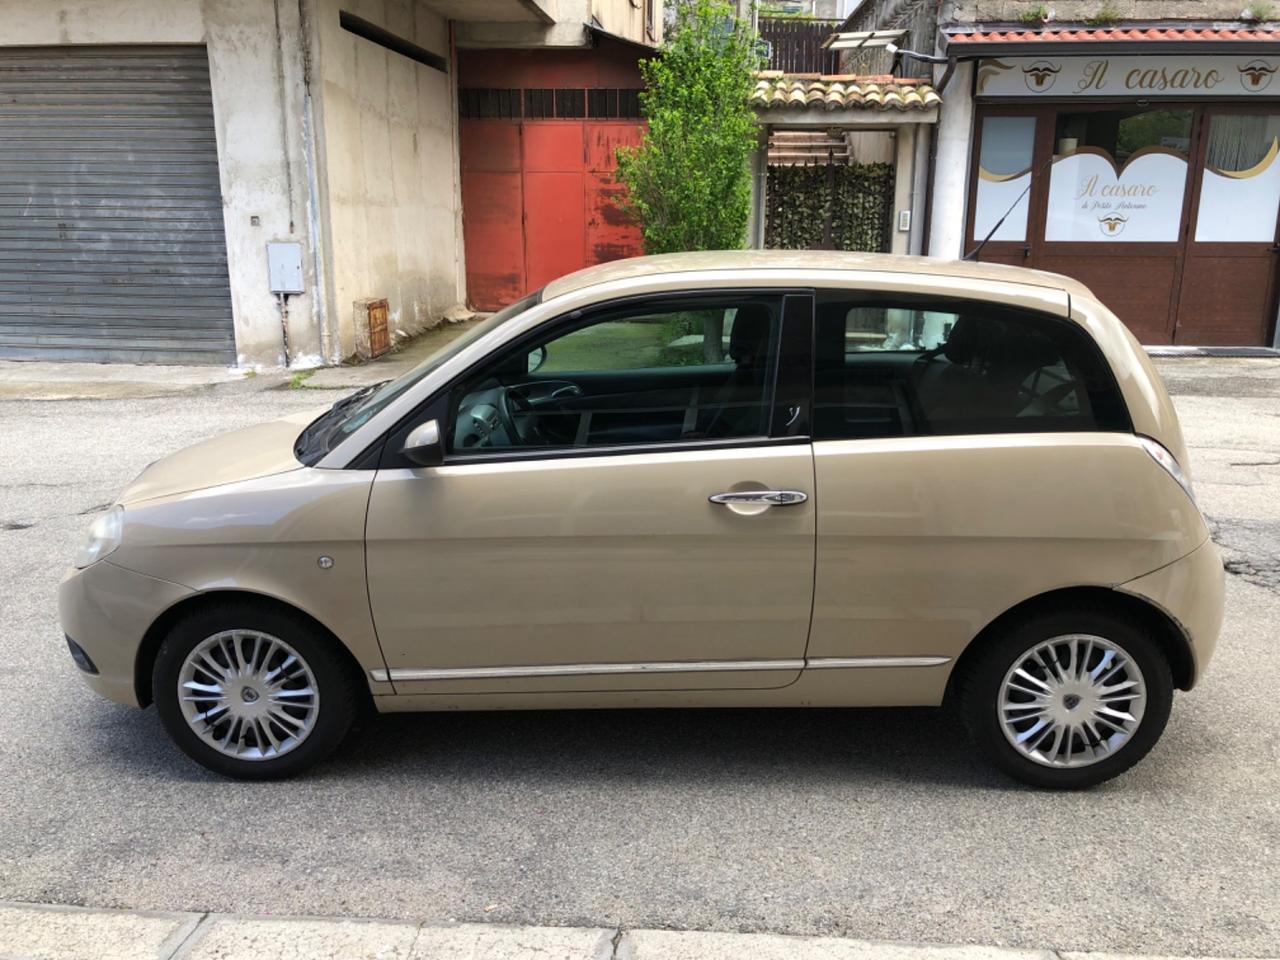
column 284, row 267
column 904, row 221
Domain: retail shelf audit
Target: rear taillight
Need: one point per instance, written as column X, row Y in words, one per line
column 1166, row 459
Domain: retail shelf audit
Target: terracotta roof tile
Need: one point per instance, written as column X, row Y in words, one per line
column 799, row 91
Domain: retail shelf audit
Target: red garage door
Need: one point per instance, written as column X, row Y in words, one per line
column 539, row 200
column 539, row 133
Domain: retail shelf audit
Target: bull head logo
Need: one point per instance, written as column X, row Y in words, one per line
column 1040, row 75
column 1112, row 224
column 1256, row 75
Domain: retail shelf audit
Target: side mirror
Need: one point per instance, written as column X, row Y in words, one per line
column 423, row 446
column 537, row 358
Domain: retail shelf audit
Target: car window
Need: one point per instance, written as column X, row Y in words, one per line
column 650, row 373
column 353, row 411
column 889, row 367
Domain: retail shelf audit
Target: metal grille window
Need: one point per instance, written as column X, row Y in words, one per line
column 546, row 103
column 539, row 104
column 613, row 103
column 479, row 103
column 571, row 102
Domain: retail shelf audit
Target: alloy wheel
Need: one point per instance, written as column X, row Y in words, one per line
column 248, row 695
column 1071, row 701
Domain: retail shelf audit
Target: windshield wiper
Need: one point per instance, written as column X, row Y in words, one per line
column 314, row 440
column 360, row 394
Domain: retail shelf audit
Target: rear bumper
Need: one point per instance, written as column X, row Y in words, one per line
column 107, row 610
column 1191, row 592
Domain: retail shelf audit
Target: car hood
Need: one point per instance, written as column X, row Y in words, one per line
column 258, row 451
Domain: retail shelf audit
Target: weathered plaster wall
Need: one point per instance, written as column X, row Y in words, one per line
column 388, row 168
column 969, row 11
column 256, row 94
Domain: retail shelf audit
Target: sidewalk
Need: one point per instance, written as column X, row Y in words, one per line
column 42, row 380
column 45, row 380
column 41, row 932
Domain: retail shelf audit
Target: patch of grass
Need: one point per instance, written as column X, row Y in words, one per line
column 1259, row 11
column 607, row 346
column 1038, row 13
column 1106, row 14
column 299, row 380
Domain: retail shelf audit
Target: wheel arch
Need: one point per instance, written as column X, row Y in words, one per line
column 1173, row 641
column 159, row 629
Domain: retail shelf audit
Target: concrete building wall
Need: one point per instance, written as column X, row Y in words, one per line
column 626, row 19
column 388, row 187
column 568, row 30
column 620, row 17
column 255, row 65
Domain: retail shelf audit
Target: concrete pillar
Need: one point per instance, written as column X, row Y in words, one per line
column 919, row 188
column 759, row 185
column 951, row 165
column 904, row 156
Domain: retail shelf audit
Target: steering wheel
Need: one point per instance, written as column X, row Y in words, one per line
column 1049, row 401
column 511, row 401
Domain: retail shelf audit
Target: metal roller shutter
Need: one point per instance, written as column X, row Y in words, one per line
column 111, row 236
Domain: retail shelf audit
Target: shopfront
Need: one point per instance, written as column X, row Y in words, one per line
column 1153, row 179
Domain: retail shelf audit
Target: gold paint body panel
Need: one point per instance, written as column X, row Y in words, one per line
column 905, row 547
column 605, row 559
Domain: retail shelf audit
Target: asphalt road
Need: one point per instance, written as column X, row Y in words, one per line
column 875, row 824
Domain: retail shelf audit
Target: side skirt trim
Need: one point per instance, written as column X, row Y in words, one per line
column 411, row 674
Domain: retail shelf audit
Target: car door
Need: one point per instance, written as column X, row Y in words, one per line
column 626, row 503
column 969, row 455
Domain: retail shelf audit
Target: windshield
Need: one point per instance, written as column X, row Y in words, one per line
column 355, row 410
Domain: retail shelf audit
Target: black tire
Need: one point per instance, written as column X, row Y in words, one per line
column 339, row 701
column 979, row 690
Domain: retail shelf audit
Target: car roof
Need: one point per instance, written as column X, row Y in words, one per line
column 754, row 260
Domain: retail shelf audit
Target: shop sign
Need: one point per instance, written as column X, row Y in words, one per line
column 1091, row 200
column 1144, row 77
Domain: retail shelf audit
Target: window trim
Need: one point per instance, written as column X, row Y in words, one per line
column 437, row 405
column 933, row 302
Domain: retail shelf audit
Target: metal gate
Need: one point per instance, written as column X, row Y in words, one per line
column 111, row 235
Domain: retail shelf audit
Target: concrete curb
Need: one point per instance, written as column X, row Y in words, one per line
column 30, row 931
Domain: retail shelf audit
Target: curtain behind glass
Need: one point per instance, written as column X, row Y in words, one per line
column 1240, row 141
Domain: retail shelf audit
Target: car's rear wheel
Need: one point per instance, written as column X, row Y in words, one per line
column 252, row 692
column 1067, row 700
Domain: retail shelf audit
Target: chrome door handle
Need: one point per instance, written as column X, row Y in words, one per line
column 777, row 498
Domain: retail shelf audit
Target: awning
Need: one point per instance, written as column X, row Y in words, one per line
column 978, row 41
column 777, row 92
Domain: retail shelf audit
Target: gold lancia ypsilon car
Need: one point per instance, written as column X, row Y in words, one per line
column 740, row 479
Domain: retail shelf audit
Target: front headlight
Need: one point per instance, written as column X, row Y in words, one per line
column 104, row 536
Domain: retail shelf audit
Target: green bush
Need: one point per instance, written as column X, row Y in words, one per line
column 689, row 182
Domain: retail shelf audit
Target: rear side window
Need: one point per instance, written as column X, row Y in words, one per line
column 890, row 366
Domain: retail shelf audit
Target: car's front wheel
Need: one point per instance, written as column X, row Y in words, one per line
column 252, row 692
column 1067, row 700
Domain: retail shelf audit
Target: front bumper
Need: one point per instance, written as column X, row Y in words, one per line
column 107, row 610
column 1191, row 591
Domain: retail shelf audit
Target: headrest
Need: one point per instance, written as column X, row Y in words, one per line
column 1006, row 349
column 964, row 342
column 749, row 339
